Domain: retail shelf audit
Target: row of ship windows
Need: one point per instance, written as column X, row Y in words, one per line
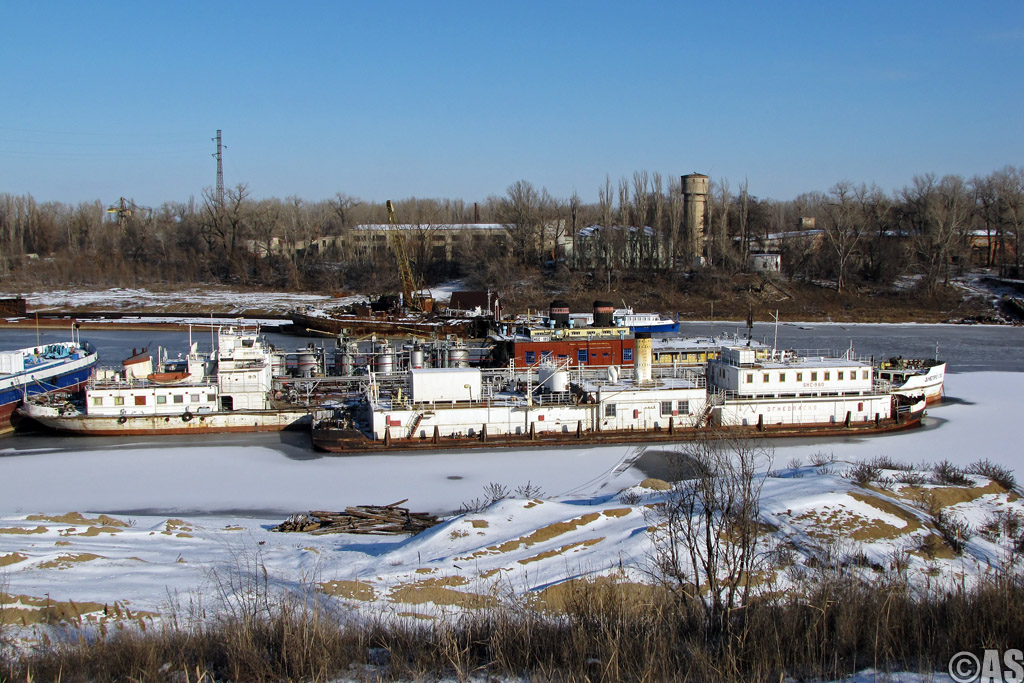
column 581, row 355
column 667, row 408
column 840, row 375
column 160, row 399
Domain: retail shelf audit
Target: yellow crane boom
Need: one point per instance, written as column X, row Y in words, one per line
column 397, row 240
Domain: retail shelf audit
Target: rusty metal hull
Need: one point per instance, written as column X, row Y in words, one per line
column 150, row 425
column 351, row 441
column 388, row 326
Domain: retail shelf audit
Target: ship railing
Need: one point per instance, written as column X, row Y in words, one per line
column 845, row 354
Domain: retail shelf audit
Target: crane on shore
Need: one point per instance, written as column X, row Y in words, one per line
column 411, row 295
column 126, row 209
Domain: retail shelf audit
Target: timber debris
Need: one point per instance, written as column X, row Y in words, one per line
column 360, row 519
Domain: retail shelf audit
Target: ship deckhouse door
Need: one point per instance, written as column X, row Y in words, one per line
column 227, row 403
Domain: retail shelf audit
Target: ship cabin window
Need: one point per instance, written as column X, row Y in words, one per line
column 119, row 400
column 814, row 377
column 161, row 400
column 765, row 378
column 609, row 410
column 864, row 374
column 750, row 378
column 827, row 376
column 211, row 398
column 782, row 377
column 666, row 407
column 627, row 354
column 178, row 398
column 799, row 377
column 97, row 400
column 140, row 400
column 684, row 407
column 195, row 398
column 531, row 357
column 581, row 355
column 840, row 377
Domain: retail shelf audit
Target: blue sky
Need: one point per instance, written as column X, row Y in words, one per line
column 461, row 99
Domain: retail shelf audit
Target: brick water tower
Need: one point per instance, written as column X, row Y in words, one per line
column 695, row 207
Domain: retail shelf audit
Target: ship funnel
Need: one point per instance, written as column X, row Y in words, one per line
column 603, row 312
column 644, row 357
column 558, row 313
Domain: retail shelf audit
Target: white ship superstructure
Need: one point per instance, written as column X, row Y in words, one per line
column 229, row 389
column 464, row 402
column 788, row 388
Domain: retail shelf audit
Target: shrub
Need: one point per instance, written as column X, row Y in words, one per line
column 946, row 473
column 997, row 473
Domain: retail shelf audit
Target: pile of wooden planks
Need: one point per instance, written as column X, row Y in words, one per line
column 361, row 519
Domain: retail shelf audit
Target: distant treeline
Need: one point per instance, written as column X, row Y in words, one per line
column 933, row 228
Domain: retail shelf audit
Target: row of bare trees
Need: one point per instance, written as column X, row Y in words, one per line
column 932, row 229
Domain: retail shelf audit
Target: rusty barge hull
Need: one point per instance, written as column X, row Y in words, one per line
column 154, row 425
column 353, row 442
column 386, row 326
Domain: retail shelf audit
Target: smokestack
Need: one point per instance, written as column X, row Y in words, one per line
column 644, row 357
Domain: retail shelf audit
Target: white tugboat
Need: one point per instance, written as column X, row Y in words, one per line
column 228, row 390
column 915, row 376
column 789, row 389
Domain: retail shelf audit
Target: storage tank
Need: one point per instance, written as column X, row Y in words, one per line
column 383, row 359
column 459, row 355
column 307, row 365
column 558, row 313
column 603, row 311
column 552, row 378
column 344, row 358
column 416, row 357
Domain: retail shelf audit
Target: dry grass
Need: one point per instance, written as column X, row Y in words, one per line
column 591, row 631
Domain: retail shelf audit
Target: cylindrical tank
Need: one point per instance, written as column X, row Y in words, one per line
column 558, row 313
column 307, row 365
column 603, row 311
column 277, row 365
column 344, row 357
column 459, row 355
column 551, row 378
column 416, row 357
column 383, row 360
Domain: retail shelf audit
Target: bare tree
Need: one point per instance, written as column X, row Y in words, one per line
column 843, row 228
column 707, row 534
column 936, row 215
column 520, row 212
